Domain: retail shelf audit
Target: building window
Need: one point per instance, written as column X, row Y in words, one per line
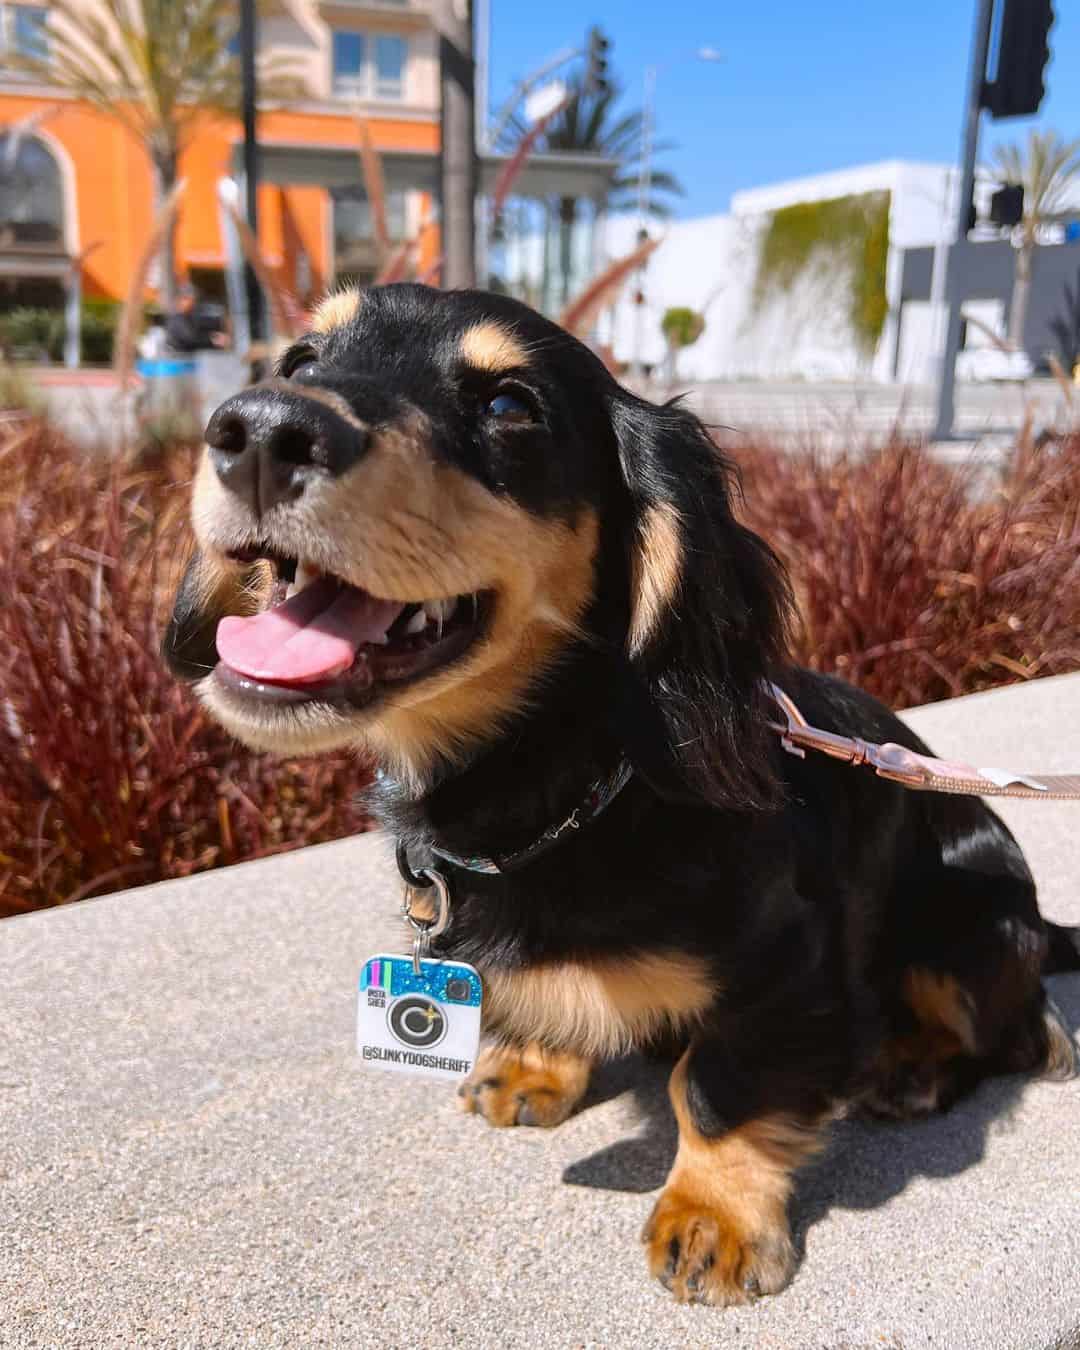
column 369, row 66
column 25, row 31
column 349, row 63
column 31, row 194
column 389, row 67
column 353, row 225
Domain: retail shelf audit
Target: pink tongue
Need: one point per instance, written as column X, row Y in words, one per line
column 312, row 637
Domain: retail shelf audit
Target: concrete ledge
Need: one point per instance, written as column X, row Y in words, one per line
column 190, row 1156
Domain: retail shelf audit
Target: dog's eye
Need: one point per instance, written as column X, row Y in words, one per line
column 300, row 361
column 507, row 407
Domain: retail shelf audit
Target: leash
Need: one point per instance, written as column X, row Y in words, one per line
column 921, row 773
column 898, row 764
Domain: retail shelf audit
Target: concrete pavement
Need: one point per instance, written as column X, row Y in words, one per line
column 191, row 1156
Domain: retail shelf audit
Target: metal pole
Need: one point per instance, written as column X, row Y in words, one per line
column 249, row 92
column 73, row 317
column 644, row 191
column 457, row 142
column 483, row 71
column 980, row 48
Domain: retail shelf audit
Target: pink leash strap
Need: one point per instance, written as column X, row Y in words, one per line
column 921, row 772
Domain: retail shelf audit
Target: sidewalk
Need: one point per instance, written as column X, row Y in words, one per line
column 190, row 1155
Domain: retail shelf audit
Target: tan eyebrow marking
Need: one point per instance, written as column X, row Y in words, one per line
column 493, row 348
column 336, row 309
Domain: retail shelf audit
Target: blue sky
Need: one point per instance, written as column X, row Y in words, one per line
column 804, row 87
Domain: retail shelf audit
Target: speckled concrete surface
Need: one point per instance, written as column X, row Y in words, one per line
column 190, row 1156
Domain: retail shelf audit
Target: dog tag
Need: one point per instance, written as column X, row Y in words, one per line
column 425, row 1023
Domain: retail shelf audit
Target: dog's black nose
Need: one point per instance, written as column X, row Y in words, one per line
column 268, row 443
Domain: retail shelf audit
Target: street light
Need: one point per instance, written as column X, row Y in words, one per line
column 648, row 117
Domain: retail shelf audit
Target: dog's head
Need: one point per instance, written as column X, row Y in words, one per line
column 406, row 535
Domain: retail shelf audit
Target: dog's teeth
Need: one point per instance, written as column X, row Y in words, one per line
column 443, row 609
column 418, row 622
column 475, row 604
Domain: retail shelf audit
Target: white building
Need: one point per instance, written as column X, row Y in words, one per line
column 803, row 328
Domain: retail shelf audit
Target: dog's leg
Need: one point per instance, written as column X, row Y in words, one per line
column 719, row 1231
column 525, row 1085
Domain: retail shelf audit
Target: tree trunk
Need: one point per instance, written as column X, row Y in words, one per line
column 165, row 172
column 1021, row 294
column 567, row 218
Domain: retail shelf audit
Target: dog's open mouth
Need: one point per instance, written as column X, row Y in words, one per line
column 321, row 638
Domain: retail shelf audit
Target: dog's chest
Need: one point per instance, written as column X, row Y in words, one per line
column 598, row 1009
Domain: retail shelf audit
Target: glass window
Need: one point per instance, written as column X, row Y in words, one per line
column 28, row 36
column 31, row 195
column 389, row 67
column 349, row 61
column 352, row 217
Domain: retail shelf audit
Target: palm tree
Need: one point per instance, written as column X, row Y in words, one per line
column 589, row 122
column 158, row 67
column 1048, row 169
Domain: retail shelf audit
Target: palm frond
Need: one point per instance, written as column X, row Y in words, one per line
column 512, row 168
column 397, row 265
column 374, row 186
column 283, row 308
column 581, row 313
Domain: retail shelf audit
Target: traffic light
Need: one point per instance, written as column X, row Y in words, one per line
column 1007, row 205
column 596, row 52
column 1023, row 51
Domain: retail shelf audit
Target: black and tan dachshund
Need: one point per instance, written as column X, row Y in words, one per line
column 444, row 534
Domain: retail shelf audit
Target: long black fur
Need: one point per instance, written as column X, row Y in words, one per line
column 808, row 887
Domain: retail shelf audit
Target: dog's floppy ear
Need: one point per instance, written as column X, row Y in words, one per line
column 708, row 616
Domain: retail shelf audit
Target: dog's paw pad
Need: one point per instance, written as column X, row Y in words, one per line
column 703, row 1254
column 511, row 1087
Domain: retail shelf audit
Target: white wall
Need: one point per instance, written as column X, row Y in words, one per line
column 710, row 264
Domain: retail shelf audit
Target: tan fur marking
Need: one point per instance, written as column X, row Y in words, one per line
column 657, row 571
column 1061, row 1049
column 939, row 1000
column 336, row 309
column 511, row 1085
column 329, row 398
column 719, row 1231
column 493, row 348
column 915, row 1070
column 227, row 587
column 599, row 1010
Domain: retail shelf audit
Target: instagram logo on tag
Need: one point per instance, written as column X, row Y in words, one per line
column 424, row 1023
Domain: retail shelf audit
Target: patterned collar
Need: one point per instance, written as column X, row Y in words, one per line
column 598, row 798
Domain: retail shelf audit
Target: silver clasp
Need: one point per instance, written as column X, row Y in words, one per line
column 426, row 929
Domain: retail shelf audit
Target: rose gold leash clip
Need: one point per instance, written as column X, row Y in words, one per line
column 920, row 772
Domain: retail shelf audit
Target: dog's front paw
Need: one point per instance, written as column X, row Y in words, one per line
column 705, row 1254
column 530, row 1086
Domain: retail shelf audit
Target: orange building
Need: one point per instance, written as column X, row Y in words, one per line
column 76, row 188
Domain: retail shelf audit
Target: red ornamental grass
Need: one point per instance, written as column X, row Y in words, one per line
column 920, row 580
column 110, row 773
column 913, row 580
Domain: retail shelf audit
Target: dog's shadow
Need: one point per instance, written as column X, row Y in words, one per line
column 866, row 1163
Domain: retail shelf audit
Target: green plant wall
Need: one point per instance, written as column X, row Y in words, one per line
column 854, row 232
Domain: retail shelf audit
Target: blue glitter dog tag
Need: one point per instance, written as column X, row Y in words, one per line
column 426, row 1024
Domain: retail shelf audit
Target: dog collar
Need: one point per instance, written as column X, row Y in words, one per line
column 598, row 798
